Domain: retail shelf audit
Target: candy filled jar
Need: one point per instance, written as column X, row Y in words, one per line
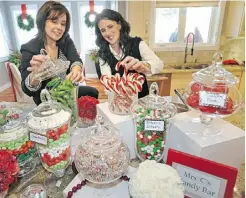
column 64, row 92
column 48, row 126
column 101, row 157
column 213, row 93
column 122, row 91
column 152, row 116
column 14, row 138
column 87, row 111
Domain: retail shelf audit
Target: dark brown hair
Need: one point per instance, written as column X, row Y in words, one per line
column 51, row 10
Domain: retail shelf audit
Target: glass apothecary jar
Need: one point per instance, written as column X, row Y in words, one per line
column 213, row 93
column 152, row 116
column 48, row 125
column 14, row 138
column 101, row 156
column 66, row 93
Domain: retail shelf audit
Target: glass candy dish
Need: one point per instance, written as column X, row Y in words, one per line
column 213, row 93
column 101, row 156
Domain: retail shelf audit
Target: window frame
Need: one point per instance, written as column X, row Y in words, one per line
column 107, row 4
column 180, row 46
column 2, row 23
column 15, row 7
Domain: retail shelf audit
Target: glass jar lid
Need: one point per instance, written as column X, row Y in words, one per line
column 49, row 114
column 153, row 100
column 215, row 74
column 48, row 107
column 101, row 139
column 10, row 118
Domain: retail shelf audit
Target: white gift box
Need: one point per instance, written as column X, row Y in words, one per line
column 117, row 189
column 125, row 124
column 227, row 148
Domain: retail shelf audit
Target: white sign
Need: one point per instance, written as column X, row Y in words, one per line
column 154, row 125
column 40, row 139
column 212, row 99
column 198, row 183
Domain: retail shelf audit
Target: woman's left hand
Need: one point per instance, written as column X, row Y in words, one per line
column 76, row 76
column 131, row 63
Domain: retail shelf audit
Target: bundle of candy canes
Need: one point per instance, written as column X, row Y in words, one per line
column 124, row 87
column 129, row 84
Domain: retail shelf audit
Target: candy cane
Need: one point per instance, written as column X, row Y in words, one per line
column 117, row 67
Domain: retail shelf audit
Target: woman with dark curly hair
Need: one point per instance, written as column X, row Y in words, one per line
column 53, row 23
column 115, row 44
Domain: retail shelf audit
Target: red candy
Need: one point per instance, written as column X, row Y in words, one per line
column 193, row 100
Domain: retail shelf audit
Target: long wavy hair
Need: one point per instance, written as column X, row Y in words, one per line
column 104, row 52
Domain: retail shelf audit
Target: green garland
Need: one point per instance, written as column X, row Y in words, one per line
column 87, row 21
column 23, row 26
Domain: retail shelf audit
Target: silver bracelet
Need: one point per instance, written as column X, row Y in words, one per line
column 77, row 63
column 31, row 88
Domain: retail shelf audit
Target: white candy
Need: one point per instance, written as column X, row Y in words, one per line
column 149, row 137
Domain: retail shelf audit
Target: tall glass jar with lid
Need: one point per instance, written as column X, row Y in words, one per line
column 48, row 125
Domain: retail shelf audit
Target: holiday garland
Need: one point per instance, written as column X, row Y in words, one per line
column 23, row 26
column 89, row 24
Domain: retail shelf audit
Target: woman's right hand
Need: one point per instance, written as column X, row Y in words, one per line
column 36, row 67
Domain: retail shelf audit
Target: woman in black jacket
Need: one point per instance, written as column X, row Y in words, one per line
column 53, row 23
column 115, row 44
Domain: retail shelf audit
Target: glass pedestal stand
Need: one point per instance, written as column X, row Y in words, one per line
column 206, row 125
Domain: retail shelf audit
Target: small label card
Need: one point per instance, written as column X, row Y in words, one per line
column 154, row 125
column 199, row 183
column 212, row 99
column 40, row 139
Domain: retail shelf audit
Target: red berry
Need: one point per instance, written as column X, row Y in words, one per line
column 74, row 189
column 83, row 183
column 70, row 194
column 79, row 186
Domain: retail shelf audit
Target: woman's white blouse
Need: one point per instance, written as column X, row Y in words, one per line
column 147, row 55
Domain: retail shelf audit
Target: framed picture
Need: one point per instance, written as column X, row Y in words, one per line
column 203, row 178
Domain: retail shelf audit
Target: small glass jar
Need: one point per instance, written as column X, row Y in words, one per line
column 87, row 111
column 48, row 125
column 121, row 104
column 213, row 93
column 34, row 191
column 14, row 137
column 101, row 156
column 152, row 116
column 64, row 92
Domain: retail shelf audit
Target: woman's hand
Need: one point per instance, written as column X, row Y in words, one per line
column 36, row 67
column 76, row 75
column 131, row 63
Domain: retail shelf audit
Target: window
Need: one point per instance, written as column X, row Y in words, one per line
column 87, row 35
column 23, row 36
column 69, row 8
column 3, row 43
column 174, row 21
